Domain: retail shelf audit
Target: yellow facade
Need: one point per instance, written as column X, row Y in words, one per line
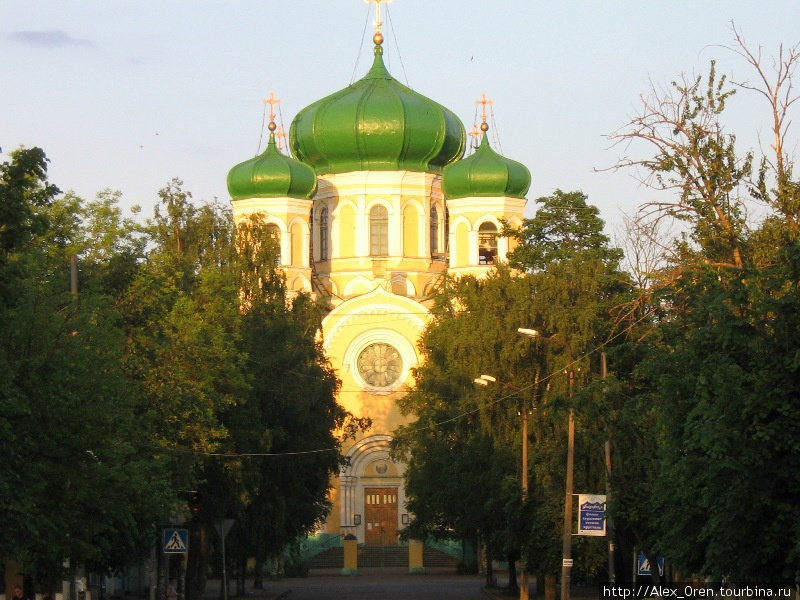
column 375, row 244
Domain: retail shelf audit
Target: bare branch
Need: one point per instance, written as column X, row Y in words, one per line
column 776, row 85
column 693, row 157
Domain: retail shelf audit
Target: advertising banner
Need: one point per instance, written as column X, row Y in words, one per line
column 591, row 514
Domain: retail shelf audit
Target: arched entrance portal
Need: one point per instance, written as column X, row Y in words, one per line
column 372, row 493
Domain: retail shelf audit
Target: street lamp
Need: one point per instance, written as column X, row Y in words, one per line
column 485, row 380
column 566, row 544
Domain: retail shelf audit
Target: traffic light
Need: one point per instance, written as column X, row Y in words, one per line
column 195, row 505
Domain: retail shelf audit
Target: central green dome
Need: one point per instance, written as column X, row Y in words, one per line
column 377, row 124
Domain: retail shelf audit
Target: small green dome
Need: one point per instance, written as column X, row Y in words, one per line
column 377, row 124
column 486, row 173
column 271, row 174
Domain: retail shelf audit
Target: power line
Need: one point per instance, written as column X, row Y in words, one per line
column 543, row 379
column 437, row 424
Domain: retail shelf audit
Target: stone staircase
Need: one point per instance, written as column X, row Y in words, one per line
column 431, row 557
column 380, row 556
column 327, row 559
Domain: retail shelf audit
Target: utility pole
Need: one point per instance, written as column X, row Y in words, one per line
column 523, row 586
column 523, row 576
column 612, row 578
column 73, row 275
column 566, row 546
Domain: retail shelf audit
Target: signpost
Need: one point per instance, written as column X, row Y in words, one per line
column 176, row 541
column 591, row 514
column 223, row 527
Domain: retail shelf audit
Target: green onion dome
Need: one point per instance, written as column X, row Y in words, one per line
column 377, row 124
column 486, row 173
column 271, row 174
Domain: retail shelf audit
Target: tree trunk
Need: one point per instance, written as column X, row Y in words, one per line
column 654, row 574
column 489, row 570
column 549, row 587
column 512, row 573
column 241, row 580
column 258, row 572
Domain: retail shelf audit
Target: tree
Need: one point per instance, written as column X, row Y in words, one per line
column 774, row 184
column 720, row 369
column 279, row 447
column 67, row 412
column 181, row 315
column 565, row 226
column 584, row 305
column 696, row 157
column 566, row 284
column 460, row 434
column 24, row 192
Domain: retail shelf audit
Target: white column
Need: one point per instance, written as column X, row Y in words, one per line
column 473, row 247
column 362, row 226
column 395, row 226
column 347, row 485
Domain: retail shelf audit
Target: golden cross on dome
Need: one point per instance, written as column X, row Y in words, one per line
column 475, row 134
column 280, row 135
column 484, row 102
column 378, row 37
column 272, row 101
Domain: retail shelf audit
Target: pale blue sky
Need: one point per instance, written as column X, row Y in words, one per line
column 127, row 95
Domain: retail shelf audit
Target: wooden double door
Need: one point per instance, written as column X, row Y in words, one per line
column 380, row 512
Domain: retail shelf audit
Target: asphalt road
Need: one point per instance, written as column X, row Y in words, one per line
column 379, row 584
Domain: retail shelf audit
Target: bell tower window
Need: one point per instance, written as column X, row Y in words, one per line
column 379, row 231
column 434, row 231
column 274, row 235
column 323, row 233
column 487, row 244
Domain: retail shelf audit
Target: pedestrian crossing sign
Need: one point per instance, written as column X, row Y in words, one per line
column 176, row 541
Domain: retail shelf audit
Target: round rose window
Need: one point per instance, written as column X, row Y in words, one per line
column 380, row 365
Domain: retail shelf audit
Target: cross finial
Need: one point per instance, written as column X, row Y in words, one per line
column 280, row 135
column 272, row 101
column 475, row 134
column 484, row 102
column 378, row 37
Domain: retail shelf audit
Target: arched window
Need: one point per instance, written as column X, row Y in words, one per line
column 311, row 245
column 487, row 244
column 434, row 231
column 274, row 234
column 378, row 231
column 323, row 233
column 446, row 230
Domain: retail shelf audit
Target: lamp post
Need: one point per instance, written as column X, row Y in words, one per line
column 566, row 543
column 485, row 380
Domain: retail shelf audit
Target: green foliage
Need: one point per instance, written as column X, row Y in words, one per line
column 565, row 226
column 731, row 425
column 24, row 191
column 278, row 436
column 178, row 344
column 715, row 382
column 470, row 436
column 182, row 320
column 77, row 480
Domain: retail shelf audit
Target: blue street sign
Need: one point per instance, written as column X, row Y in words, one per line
column 176, row 541
column 643, row 565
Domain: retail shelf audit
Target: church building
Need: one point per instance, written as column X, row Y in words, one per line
column 376, row 204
